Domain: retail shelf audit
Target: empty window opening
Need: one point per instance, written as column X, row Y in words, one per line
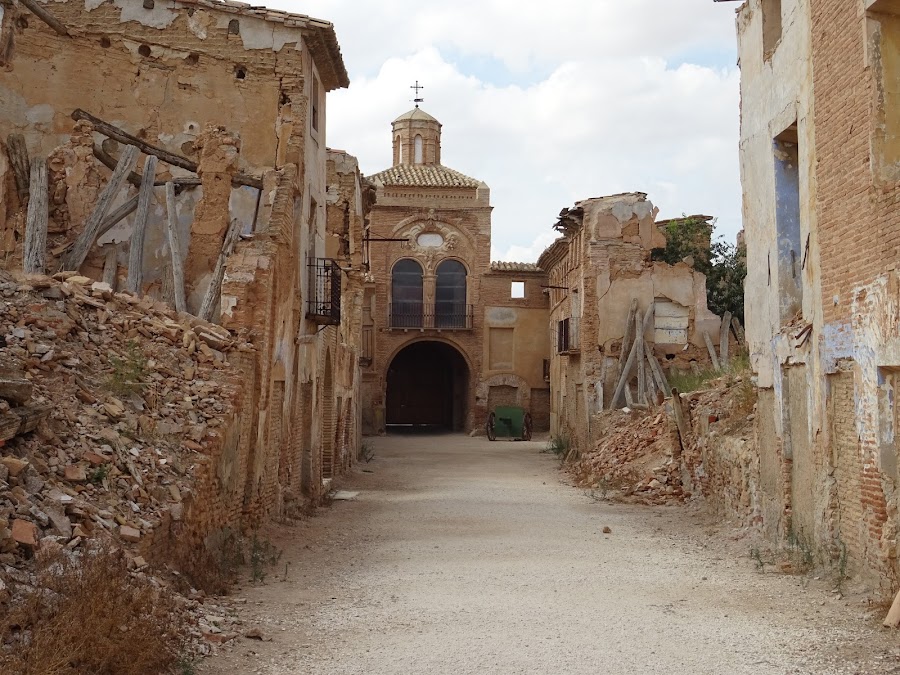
column 144, row 50
column 418, row 150
column 314, row 113
column 240, row 72
column 771, row 16
column 787, row 222
column 234, row 27
column 517, row 289
column 105, row 43
column 192, row 59
column 149, row 4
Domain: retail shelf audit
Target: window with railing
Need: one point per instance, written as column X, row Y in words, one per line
column 406, row 294
column 450, row 309
column 324, row 302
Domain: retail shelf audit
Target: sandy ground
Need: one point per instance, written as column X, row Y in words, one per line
column 463, row 556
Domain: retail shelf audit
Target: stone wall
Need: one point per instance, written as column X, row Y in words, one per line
column 820, row 104
column 259, row 164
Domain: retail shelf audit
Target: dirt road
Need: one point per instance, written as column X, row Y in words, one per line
column 463, row 556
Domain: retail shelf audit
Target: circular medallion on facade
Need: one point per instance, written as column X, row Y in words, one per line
column 430, row 240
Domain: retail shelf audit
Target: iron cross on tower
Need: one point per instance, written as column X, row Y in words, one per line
column 418, row 99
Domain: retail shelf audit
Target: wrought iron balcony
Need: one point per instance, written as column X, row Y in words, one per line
column 324, row 303
column 440, row 316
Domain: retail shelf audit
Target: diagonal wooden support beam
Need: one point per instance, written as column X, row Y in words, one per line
column 40, row 12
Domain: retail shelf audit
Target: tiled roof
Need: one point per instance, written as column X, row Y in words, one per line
column 415, row 114
column 320, row 35
column 501, row 266
column 424, row 175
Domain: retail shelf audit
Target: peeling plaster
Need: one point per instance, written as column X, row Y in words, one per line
column 159, row 17
column 258, row 34
column 199, row 23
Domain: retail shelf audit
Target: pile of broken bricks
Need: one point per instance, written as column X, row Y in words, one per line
column 635, row 461
column 96, row 458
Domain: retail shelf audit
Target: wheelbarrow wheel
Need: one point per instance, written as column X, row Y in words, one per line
column 526, row 431
column 491, row 433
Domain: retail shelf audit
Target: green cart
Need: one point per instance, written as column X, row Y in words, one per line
column 509, row 422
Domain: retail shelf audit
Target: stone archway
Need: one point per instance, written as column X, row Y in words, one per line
column 427, row 388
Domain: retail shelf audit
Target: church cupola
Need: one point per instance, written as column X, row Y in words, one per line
column 417, row 138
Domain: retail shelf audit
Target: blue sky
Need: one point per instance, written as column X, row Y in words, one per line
column 549, row 104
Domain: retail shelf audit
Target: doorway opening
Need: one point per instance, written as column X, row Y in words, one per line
column 427, row 389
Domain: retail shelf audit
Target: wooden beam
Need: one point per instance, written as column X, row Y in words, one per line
column 175, row 249
column 171, row 158
column 723, row 339
column 681, row 419
column 623, row 378
column 639, row 340
column 656, row 370
column 738, row 330
column 38, row 10
column 711, row 350
column 88, row 236
column 18, row 159
column 34, row 259
column 135, row 178
column 626, row 337
column 214, row 292
column 111, row 265
column 135, row 281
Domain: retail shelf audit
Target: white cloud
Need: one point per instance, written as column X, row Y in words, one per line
column 550, row 104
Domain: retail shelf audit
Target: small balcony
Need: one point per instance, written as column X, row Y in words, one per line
column 440, row 316
column 324, row 303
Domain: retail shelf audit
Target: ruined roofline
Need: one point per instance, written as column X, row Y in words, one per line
column 698, row 216
column 320, row 35
column 553, row 253
column 502, row 266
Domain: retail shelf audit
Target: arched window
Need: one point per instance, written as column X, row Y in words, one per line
column 406, row 294
column 418, row 150
column 450, row 309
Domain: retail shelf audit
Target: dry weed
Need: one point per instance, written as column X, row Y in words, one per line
column 88, row 614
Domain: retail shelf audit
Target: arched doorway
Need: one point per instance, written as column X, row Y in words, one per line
column 427, row 388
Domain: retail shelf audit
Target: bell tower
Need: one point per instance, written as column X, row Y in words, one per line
column 417, row 138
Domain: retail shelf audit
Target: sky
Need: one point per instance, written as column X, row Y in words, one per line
column 549, row 103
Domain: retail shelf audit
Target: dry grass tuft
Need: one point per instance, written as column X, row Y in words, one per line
column 87, row 614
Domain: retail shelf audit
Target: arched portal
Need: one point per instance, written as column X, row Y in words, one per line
column 427, row 388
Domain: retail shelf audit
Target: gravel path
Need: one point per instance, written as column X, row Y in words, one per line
column 463, row 556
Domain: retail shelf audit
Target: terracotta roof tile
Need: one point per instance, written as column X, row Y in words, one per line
column 501, row 266
column 424, row 175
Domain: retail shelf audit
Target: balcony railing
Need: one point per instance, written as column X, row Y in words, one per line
column 324, row 303
column 440, row 316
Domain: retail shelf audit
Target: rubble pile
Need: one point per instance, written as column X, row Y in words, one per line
column 116, row 399
column 635, row 460
column 642, row 458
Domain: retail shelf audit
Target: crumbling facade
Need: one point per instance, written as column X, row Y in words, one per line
column 448, row 338
column 604, row 290
column 819, row 169
column 252, row 225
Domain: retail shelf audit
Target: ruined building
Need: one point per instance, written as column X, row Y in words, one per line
column 253, row 224
column 604, row 290
column 819, row 166
column 448, row 335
